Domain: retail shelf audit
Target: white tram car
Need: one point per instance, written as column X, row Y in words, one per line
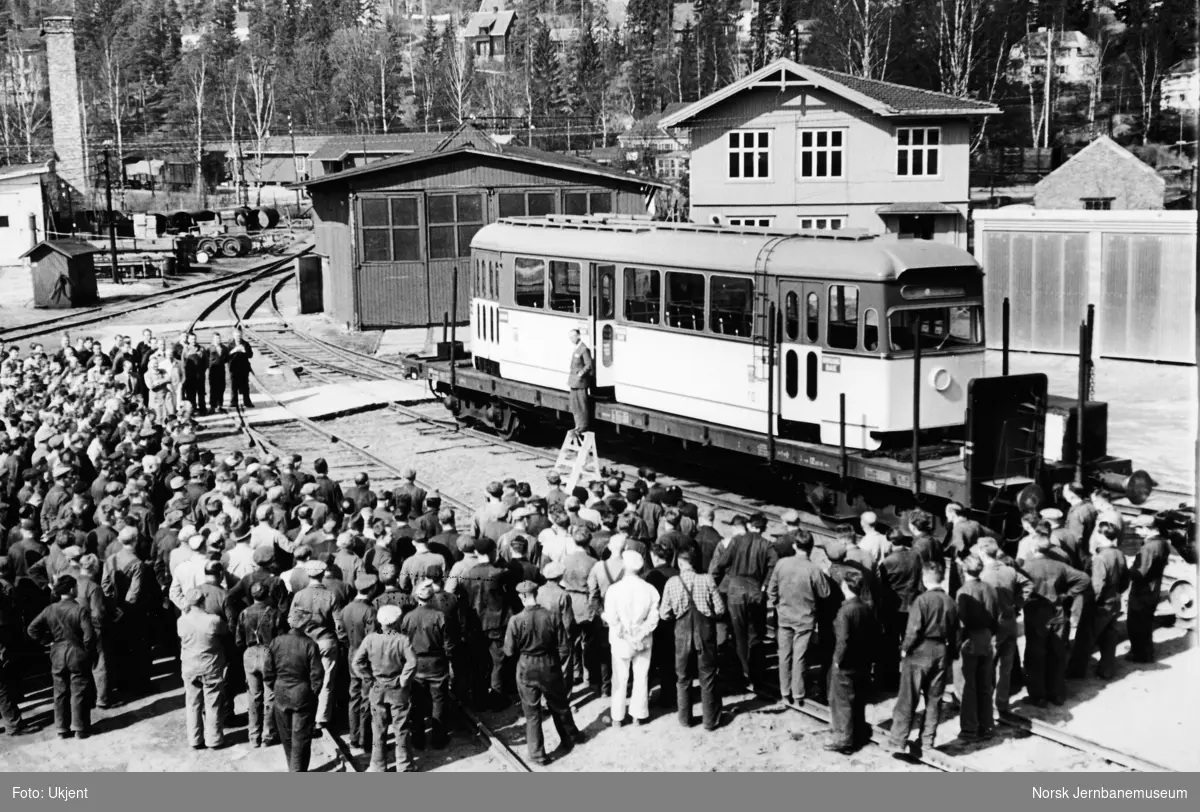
column 678, row 317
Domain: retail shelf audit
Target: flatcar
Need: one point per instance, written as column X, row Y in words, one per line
column 856, row 360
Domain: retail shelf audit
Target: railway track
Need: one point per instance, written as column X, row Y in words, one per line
column 92, row 315
column 311, row 356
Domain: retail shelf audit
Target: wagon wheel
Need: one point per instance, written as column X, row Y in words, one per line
column 207, row 245
column 230, row 247
column 245, row 245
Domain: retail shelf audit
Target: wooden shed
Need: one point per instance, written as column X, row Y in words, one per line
column 392, row 232
column 64, row 274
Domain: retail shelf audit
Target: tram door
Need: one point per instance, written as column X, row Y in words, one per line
column 604, row 311
column 799, row 355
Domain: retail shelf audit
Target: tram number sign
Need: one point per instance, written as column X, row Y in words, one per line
column 831, row 364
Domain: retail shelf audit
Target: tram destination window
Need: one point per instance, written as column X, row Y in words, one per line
column 842, row 332
column 685, row 300
column 643, row 295
column 731, row 308
column 453, row 222
column 942, row 328
column 391, row 229
column 529, row 282
column 564, row 286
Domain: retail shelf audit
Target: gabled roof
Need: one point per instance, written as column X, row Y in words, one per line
column 882, row 98
column 467, row 134
column 25, row 170
column 68, row 248
column 1104, row 144
column 489, row 24
column 506, row 153
column 338, row 147
column 1185, row 67
column 652, row 123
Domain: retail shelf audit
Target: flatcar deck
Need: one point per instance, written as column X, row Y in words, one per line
column 943, row 477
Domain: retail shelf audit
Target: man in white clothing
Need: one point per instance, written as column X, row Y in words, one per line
column 873, row 542
column 241, row 557
column 631, row 612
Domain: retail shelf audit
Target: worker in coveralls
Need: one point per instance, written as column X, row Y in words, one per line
column 582, row 368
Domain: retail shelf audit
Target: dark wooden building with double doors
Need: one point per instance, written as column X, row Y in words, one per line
column 391, row 233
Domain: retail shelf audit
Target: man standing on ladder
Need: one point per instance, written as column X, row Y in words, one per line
column 582, row 368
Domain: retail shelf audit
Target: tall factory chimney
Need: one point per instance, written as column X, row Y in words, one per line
column 65, row 107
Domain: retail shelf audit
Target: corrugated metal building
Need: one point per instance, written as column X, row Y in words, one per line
column 1137, row 267
column 392, row 232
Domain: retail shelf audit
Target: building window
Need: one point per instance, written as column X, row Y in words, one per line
column 842, row 332
column 453, row 221
column 685, row 301
column 391, row 229
column 821, row 153
column 753, row 222
column 527, row 204
column 917, row 150
column 587, row 203
column 564, row 286
column 731, row 305
column 1097, row 203
column 822, row 223
column 529, row 282
column 750, row 154
column 643, row 295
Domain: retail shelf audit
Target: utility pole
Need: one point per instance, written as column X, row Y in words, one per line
column 112, row 225
column 295, row 163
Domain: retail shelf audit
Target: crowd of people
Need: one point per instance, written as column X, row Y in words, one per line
column 335, row 606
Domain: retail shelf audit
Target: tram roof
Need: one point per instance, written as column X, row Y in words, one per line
column 850, row 254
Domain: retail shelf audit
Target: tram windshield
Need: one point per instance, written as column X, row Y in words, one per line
column 942, row 328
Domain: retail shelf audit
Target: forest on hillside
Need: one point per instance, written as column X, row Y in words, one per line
column 570, row 71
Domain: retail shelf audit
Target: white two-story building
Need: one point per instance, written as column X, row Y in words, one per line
column 793, row 146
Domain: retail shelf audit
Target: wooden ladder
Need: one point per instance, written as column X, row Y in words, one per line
column 578, row 459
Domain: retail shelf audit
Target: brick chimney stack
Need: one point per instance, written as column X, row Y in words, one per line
column 65, row 108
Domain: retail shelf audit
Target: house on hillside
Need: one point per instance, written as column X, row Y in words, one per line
column 649, row 136
column 795, row 146
column 284, row 159
column 1103, row 176
column 486, row 33
column 1073, row 61
column 1180, row 89
column 190, row 35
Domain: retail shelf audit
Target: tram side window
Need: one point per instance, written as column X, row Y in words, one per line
column 643, row 295
column 791, row 315
column 606, row 274
column 812, row 317
column 842, row 333
column 871, row 331
column 529, row 286
column 685, row 301
column 564, row 286
column 731, row 306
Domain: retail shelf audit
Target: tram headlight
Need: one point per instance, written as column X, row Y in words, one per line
column 940, row 379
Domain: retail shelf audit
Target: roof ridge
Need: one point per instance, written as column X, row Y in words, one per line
column 899, row 86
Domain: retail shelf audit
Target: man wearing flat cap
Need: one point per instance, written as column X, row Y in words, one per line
column 201, row 638
column 319, row 605
column 741, row 571
column 416, row 494
column 1145, row 583
column 484, row 592
column 294, row 672
column 386, row 659
column 631, row 613
column 357, row 621
column 435, row 638
column 257, row 627
column 557, row 601
column 536, row 638
column 127, row 584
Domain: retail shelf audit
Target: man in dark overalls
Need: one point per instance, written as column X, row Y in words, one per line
column 692, row 600
column 1052, row 584
column 582, row 367
column 1145, row 581
column 66, row 627
column 195, row 367
column 535, row 636
column 218, row 356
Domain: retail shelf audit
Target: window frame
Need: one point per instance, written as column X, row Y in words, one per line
column 815, row 150
column 741, row 150
column 580, row 306
column 704, row 300
column 830, row 219
column 711, row 300
column 742, row 221
column 517, row 260
column 842, row 300
column 924, row 150
column 588, row 192
column 456, row 224
column 391, row 228
column 1097, row 203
